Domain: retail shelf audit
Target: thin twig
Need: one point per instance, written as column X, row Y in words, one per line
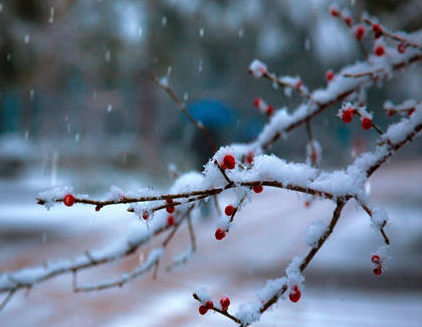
column 7, row 299
column 394, row 36
column 183, row 108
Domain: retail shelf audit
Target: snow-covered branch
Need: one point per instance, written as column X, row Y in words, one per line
column 246, row 168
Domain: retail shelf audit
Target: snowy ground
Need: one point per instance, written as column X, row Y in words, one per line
column 340, row 287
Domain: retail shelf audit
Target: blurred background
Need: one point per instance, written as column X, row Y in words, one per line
column 77, row 107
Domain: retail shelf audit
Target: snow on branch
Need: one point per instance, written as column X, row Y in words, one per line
column 246, row 168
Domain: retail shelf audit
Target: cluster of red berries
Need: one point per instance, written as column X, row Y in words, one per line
column 205, row 307
column 224, row 302
column 295, row 294
column 261, row 105
column 347, row 117
column 377, row 29
column 170, row 209
column 220, row 233
column 69, row 200
column 229, row 162
column 376, row 260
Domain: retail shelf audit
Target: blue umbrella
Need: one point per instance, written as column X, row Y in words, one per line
column 211, row 113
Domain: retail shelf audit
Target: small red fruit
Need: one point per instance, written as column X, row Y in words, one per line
column 329, row 75
column 270, row 110
column 258, row 188
column 298, row 85
column 225, row 302
column 334, row 12
column 411, row 111
column 307, row 204
column 229, row 210
column 170, row 209
column 257, row 102
column 390, row 113
column 377, row 30
column 203, row 309
column 170, row 220
column 295, row 294
column 401, row 48
column 220, row 234
column 347, row 115
column 98, row 207
column 376, row 259
column 168, row 201
column 69, row 200
column 366, row 123
column 145, row 215
column 360, row 32
column 249, row 158
column 348, row 20
column 377, row 271
column 209, row 304
column 379, row 51
column 229, row 162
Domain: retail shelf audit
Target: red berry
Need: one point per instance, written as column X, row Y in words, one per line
column 229, row 162
column 220, row 234
column 347, row 115
column 225, row 302
column 145, row 215
column 411, row 111
column 69, row 200
column 249, row 158
column 257, row 102
column 229, row 210
column 203, row 309
column 170, row 220
column 270, row 110
column 258, row 188
column 329, row 75
column 299, row 84
column 209, row 304
column 390, row 113
column 307, row 204
column 401, row 48
column 98, row 207
column 377, row 30
column 295, row 294
column 377, row 271
column 366, row 123
column 168, row 201
column 348, row 20
column 376, row 259
column 360, row 32
column 334, row 12
column 170, row 209
column 379, row 51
